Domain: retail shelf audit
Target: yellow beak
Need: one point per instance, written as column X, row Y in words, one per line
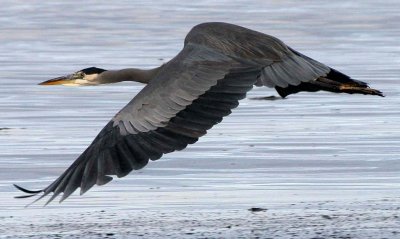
column 62, row 80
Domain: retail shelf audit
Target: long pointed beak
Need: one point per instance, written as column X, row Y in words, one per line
column 62, row 80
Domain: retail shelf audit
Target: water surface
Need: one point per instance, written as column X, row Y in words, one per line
column 310, row 154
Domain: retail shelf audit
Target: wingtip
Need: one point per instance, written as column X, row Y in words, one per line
column 30, row 193
column 33, row 192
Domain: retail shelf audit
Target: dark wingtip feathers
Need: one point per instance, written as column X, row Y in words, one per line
column 26, row 190
column 30, row 193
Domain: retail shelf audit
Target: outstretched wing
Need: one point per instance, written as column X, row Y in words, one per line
column 283, row 68
column 190, row 95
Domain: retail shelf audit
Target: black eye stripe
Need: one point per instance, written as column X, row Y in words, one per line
column 92, row 70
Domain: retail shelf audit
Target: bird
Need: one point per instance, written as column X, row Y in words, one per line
column 187, row 96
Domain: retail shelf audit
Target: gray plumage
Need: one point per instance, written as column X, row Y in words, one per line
column 185, row 97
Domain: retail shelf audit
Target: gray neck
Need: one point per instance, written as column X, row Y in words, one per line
column 129, row 74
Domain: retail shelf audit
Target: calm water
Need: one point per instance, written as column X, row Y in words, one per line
column 311, row 146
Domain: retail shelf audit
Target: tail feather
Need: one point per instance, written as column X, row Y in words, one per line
column 335, row 81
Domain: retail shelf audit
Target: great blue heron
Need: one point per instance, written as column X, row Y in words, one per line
column 185, row 97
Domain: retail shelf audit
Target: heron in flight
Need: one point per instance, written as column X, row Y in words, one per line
column 185, row 97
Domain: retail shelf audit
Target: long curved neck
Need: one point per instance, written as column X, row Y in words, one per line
column 129, row 74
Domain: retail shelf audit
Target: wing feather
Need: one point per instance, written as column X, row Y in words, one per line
column 282, row 66
column 292, row 70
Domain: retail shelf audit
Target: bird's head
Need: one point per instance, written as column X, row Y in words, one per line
column 88, row 76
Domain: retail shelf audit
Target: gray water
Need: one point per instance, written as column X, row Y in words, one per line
column 310, row 154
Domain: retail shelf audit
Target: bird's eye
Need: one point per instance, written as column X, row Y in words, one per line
column 79, row 74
